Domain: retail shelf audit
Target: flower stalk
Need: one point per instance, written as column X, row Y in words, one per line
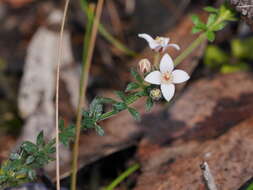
column 83, row 89
column 200, row 39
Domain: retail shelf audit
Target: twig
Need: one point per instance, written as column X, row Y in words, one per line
column 83, row 88
column 245, row 6
column 208, row 177
column 59, row 57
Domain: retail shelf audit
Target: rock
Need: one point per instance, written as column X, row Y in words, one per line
column 202, row 117
column 229, row 158
column 244, row 7
column 206, row 109
column 36, row 100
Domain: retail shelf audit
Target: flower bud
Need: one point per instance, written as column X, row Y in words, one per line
column 144, row 66
column 155, row 94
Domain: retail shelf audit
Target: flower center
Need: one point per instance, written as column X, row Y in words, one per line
column 166, row 77
column 159, row 40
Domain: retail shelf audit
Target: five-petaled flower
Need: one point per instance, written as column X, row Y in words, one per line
column 159, row 44
column 167, row 77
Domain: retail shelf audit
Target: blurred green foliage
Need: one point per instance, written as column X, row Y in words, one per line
column 228, row 62
column 216, row 21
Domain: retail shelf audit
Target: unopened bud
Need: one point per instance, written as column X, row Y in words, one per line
column 156, row 94
column 145, row 66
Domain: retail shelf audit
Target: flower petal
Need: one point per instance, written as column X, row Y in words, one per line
column 179, row 76
column 168, row 91
column 166, row 64
column 174, row 46
column 153, row 77
column 165, row 41
column 151, row 42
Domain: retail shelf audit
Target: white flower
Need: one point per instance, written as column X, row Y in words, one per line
column 159, row 44
column 144, row 66
column 167, row 77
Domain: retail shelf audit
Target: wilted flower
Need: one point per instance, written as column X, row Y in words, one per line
column 144, row 66
column 166, row 77
column 159, row 44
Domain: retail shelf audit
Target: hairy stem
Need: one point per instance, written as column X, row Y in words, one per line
column 59, row 57
column 123, row 176
column 83, row 88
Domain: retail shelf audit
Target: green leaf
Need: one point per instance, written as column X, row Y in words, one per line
column 196, row 30
column 219, row 26
column 106, row 100
column 32, row 174
column 211, row 9
column 132, row 86
column 87, row 121
column 137, row 76
column 231, row 68
column 134, row 113
column 67, row 134
column 227, row 13
column 149, row 103
column 250, row 187
column 51, row 150
column 14, row 156
column 40, row 139
column 47, row 148
column 61, row 124
column 119, row 106
column 195, row 19
column 214, row 57
column 99, row 130
column 210, row 36
column 29, row 159
column 96, row 108
column 29, row 147
column 242, row 48
column 121, row 95
column 211, row 19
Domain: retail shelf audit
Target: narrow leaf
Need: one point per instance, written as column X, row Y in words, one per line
column 40, row 139
column 119, row 106
column 134, row 113
column 149, row 103
column 196, row 30
column 99, row 130
column 211, row 9
column 136, row 75
column 210, row 36
column 30, row 159
column 132, row 86
column 121, row 95
column 211, row 19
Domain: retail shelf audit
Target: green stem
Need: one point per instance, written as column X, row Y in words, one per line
column 83, row 88
column 201, row 38
column 122, row 177
column 102, row 30
column 112, row 113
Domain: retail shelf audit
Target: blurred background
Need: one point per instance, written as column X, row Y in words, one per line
column 201, row 124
